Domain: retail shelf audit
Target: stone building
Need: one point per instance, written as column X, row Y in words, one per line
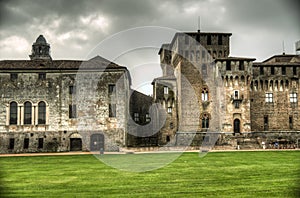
column 62, row 105
column 204, row 91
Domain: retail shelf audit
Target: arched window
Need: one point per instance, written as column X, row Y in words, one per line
column 27, row 113
column 42, row 113
column 204, row 94
column 205, row 121
column 13, row 113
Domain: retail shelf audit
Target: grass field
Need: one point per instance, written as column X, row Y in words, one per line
column 218, row 174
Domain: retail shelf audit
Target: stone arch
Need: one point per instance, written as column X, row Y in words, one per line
column 261, row 83
column 281, row 85
column 287, row 84
column 266, row 85
column 276, row 85
column 236, row 80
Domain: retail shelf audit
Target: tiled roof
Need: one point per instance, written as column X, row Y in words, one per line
column 94, row 63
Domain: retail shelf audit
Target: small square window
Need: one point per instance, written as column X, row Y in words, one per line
column 269, row 97
column 228, row 65
column 13, row 76
column 42, row 76
column 169, row 109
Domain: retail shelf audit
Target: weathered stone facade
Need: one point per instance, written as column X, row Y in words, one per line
column 62, row 105
column 196, row 66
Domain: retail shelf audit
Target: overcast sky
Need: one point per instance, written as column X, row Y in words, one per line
column 73, row 28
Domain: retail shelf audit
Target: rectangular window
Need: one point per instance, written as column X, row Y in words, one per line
column 293, row 97
column 266, row 122
column 208, row 39
column 236, row 104
column 236, row 94
column 228, row 65
column 13, row 76
column 261, row 70
column 41, row 143
column 198, row 38
column 112, row 110
column 111, row 89
column 26, row 143
column 204, row 96
column 272, row 70
column 136, row 117
column 148, row 119
column 294, row 70
column 42, row 76
column 269, row 97
column 72, row 111
column 205, row 123
column 169, row 109
column 291, row 122
column 11, row 145
column 203, row 54
column 283, row 70
column 241, row 66
column 72, row 89
column 166, row 90
column 220, row 42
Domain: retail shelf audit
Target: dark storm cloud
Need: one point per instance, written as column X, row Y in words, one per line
column 73, row 27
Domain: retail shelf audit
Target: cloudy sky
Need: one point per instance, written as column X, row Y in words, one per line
column 74, row 28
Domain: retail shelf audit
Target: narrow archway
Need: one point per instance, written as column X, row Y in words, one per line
column 236, row 126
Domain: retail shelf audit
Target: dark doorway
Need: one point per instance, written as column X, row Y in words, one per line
column 75, row 144
column 237, row 124
column 97, row 142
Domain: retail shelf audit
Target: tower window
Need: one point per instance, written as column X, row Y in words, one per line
column 166, row 90
column 236, row 94
column 170, row 110
column 205, row 121
column 236, row 104
column 293, row 97
column 148, row 119
column 269, row 97
column 111, row 89
column 72, row 111
column 136, row 117
column 294, row 70
column 72, row 90
column 208, row 39
column 291, row 122
column 261, row 70
column 228, row 65
column 13, row 76
column 266, row 122
column 205, row 94
column 220, row 40
column 272, row 70
column 283, row 70
column 112, row 110
column 241, row 65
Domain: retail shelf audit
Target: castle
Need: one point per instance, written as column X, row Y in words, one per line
column 69, row 105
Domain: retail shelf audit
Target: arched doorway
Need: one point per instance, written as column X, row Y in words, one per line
column 75, row 142
column 97, row 142
column 236, row 126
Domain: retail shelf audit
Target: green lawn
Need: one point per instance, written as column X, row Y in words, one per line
column 219, row 174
